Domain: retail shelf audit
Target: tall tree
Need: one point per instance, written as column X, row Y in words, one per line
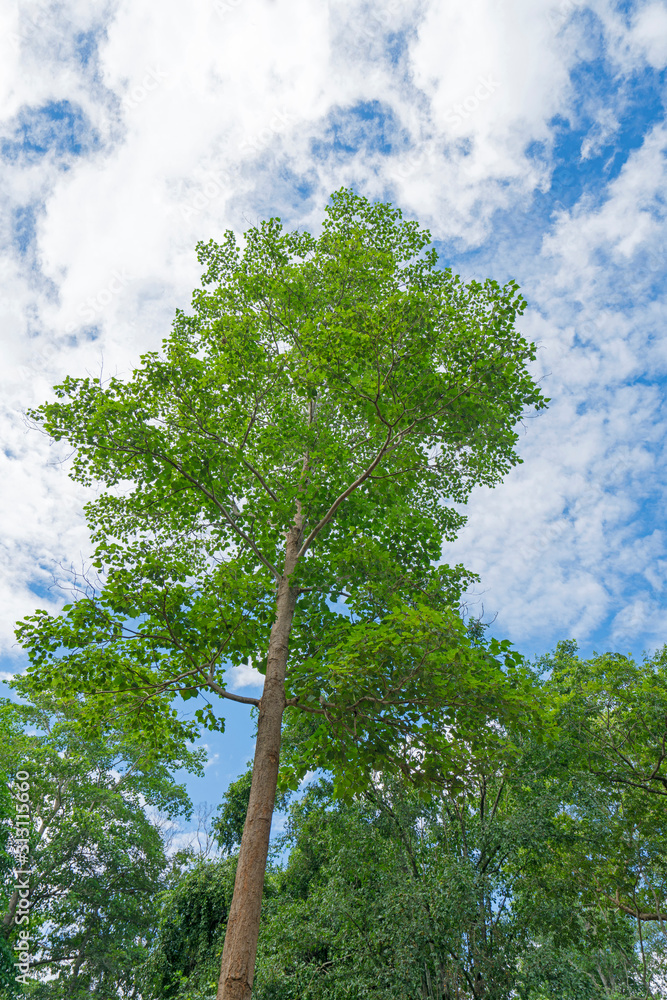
column 298, row 442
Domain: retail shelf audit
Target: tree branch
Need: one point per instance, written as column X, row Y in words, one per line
column 232, row 697
column 343, row 496
column 634, row 911
column 230, row 520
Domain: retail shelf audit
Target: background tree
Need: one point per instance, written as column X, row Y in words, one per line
column 530, row 875
column 613, row 713
column 538, row 873
column 9, row 988
column 298, row 442
column 468, row 894
column 185, row 957
column 97, row 860
column 393, row 897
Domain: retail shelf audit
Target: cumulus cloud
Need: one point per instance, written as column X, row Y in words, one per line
column 244, row 676
column 527, row 136
column 575, row 530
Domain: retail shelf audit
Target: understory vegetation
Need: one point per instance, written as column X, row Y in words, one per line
column 539, row 874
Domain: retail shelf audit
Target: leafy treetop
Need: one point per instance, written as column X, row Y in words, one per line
column 344, row 383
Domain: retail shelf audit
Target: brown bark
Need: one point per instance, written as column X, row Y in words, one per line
column 240, row 948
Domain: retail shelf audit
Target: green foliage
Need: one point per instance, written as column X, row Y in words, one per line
column 346, row 381
column 529, row 876
column 473, row 894
column 190, row 931
column 97, row 861
column 538, row 874
column 8, row 986
column 343, row 392
column 613, row 713
column 391, row 899
column 408, row 690
column 229, row 822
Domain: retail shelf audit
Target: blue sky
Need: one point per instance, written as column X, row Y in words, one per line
column 529, row 136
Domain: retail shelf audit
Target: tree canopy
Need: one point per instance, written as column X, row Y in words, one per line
column 539, row 873
column 348, row 378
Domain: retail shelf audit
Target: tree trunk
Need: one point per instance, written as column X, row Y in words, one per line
column 240, row 949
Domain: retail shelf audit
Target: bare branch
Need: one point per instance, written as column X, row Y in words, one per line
column 637, row 913
column 227, row 694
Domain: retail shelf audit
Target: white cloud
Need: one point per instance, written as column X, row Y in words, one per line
column 606, row 125
column 207, row 117
column 212, row 760
column 244, row 676
column 649, row 33
column 558, row 544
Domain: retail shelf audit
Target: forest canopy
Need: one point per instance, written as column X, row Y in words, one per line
column 541, row 874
